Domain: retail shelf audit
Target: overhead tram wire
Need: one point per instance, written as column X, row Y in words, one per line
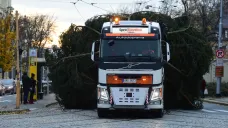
column 55, row 1
column 64, row 1
column 92, row 4
column 74, row 3
column 112, row 8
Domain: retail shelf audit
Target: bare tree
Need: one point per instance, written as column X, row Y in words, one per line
column 36, row 31
column 137, row 6
column 169, row 7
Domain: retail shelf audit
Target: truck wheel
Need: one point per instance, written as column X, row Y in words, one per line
column 159, row 113
column 102, row 113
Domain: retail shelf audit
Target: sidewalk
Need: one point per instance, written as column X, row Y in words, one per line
column 220, row 101
column 45, row 102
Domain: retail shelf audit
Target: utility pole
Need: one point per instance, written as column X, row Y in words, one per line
column 18, row 68
column 219, row 61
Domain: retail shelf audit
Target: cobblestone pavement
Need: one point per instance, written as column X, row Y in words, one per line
column 54, row 117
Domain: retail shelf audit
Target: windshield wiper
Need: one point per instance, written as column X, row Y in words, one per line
column 151, row 58
column 120, row 58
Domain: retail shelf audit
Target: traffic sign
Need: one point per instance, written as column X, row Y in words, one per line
column 33, row 52
column 219, row 62
column 219, row 53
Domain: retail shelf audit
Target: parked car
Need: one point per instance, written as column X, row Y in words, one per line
column 10, row 86
column 2, row 89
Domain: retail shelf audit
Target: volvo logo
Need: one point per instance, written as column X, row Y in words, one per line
column 131, row 65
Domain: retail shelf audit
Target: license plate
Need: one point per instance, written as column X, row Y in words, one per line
column 129, row 80
column 128, row 94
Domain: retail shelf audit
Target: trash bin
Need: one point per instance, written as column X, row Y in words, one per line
column 40, row 95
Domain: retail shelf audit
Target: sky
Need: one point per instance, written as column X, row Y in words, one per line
column 66, row 13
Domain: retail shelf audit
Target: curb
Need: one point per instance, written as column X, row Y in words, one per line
column 7, row 112
column 216, row 102
column 48, row 105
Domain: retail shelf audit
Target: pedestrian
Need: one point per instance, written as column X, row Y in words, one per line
column 32, row 88
column 203, row 87
column 26, row 82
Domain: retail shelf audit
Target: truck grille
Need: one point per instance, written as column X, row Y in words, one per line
column 129, row 95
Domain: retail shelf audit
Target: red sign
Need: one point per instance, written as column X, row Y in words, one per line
column 219, row 71
column 220, row 53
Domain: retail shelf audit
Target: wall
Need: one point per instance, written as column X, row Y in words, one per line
column 210, row 77
column 5, row 3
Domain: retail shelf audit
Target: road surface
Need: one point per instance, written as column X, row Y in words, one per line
column 212, row 116
column 7, row 100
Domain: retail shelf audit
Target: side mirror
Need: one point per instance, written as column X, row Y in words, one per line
column 167, row 52
column 95, row 47
column 93, row 51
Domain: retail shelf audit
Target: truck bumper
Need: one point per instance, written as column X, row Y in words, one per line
column 139, row 107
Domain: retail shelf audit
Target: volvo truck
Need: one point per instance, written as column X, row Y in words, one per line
column 130, row 58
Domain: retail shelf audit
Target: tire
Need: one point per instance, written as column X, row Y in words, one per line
column 159, row 113
column 102, row 113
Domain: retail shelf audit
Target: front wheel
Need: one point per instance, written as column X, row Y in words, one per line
column 159, row 113
column 102, row 113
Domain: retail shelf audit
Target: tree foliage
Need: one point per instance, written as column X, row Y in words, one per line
column 7, row 47
column 78, row 78
column 75, row 76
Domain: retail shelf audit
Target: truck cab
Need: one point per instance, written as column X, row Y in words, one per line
column 130, row 63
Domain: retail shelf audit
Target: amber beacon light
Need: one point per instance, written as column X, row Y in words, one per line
column 144, row 21
column 116, row 20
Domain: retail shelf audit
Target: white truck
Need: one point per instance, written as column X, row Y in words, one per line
column 130, row 67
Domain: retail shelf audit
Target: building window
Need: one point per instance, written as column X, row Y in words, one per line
column 226, row 33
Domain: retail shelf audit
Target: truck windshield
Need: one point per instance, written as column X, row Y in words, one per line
column 130, row 50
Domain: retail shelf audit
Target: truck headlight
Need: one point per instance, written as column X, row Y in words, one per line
column 156, row 94
column 102, row 94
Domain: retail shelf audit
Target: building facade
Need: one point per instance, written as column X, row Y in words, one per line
column 210, row 76
column 5, row 7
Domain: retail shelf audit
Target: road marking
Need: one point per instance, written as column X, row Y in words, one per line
column 205, row 110
column 7, row 96
column 6, row 101
column 31, row 109
column 220, row 110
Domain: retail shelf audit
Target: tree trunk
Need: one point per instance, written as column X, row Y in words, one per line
column 3, row 74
